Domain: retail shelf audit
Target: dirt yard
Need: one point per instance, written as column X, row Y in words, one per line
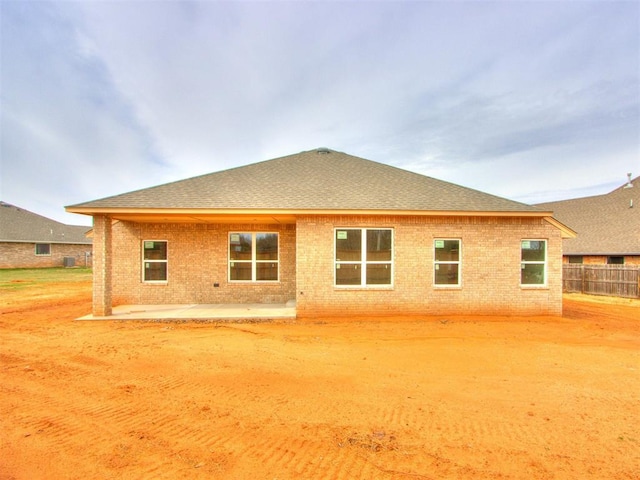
column 418, row 398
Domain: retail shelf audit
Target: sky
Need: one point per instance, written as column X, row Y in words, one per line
column 534, row 101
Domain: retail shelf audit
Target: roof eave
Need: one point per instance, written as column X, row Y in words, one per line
column 600, row 253
column 565, row 231
column 55, row 242
column 114, row 211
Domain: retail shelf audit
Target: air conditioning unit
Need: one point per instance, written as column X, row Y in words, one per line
column 69, row 262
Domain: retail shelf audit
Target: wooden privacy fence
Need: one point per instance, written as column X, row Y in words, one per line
column 612, row 280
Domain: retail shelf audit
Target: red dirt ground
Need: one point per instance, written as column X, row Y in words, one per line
column 417, row 398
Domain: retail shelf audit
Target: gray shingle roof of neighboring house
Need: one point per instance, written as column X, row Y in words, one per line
column 320, row 179
column 606, row 224
column 20, row 225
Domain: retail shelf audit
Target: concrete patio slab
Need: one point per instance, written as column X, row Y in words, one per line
column 181, row 312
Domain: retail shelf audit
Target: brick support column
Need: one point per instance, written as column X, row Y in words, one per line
column 102, row 257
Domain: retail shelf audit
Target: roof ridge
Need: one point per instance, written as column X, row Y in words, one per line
column 634, row 182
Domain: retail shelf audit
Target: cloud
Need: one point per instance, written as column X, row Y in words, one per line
column 67, row 133
column 519, row 99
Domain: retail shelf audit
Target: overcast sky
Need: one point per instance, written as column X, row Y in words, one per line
column 533, row 101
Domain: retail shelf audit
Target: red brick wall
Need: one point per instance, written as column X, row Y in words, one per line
column 602, row 259
column 490, row 268
column 632, row 260
column 23, row 255
column 197, row 259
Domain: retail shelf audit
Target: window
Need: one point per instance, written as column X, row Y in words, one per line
column 43, row 249
column 154, row 258
column 533, row 265
column 253, row 257
column 364, row 257
column 446, row 262
column 615, row 260
column 575, row 258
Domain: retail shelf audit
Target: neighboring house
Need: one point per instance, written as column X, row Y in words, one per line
column 338, row 234
column 29, row 240
column 608, row 226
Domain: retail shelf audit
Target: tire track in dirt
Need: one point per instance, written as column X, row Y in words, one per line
column 469, row 426
column 225, row 439
column 478, row 426
column 58, row 418
column 227, row 426
column 55, row 427
column 169, row 436
column 58, row 432
column 293, row 455
column 429, row 435
column 301, row 458
column 67, row 425
column 364, row 465
column 168, row 383
column 400, row 416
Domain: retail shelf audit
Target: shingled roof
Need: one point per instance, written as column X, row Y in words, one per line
column 606, row 224
column 20, row 225
column 315, row 180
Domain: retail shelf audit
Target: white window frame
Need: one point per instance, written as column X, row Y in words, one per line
column 165, row 261
column 437, row 263
column 544, row 263
column 254, row 261
column 42, row 254
column 363, row 261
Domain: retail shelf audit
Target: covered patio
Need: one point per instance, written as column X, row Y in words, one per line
column 201, row 312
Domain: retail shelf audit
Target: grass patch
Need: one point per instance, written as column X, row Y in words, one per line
column 20, row 278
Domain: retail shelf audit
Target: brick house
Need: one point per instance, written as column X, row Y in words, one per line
column 29, row 240
column 338, row 234
column 608, row 226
